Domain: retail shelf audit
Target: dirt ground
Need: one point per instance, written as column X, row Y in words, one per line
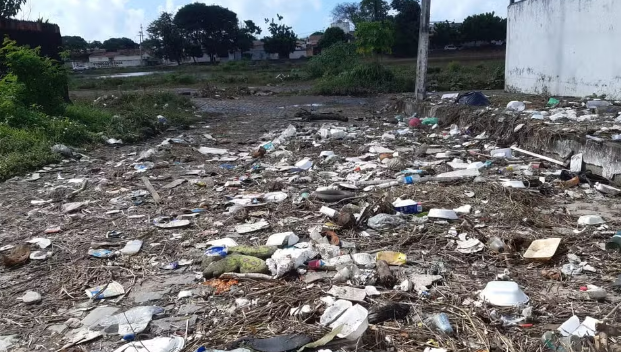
column 119, row 209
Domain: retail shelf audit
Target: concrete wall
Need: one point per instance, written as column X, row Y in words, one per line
column 564, row 47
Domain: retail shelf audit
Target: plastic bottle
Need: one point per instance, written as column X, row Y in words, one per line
column 408, row 180
column 497, row 245
column 441, row 322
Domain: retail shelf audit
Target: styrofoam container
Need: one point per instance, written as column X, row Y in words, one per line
column 304, row 164
column 443, row 214
column 354, row 321
column 286, row 239
column 502, row 153
column 590, row 220
column 223, row 242
column 334, row 311
column 504, row 294
column 542, row 249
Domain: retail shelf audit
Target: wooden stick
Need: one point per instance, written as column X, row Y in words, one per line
column 252, row 276
column 151, row 190
column 538, row 156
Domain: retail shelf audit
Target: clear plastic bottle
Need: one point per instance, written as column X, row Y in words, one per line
column 441, row 322
column 496, row 244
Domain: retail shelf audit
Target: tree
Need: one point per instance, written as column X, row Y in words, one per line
column 374, row 10
column 318, row 33
column 347, row 11
column 247, row 35
column 10, row 8
column 116, row 44
column 282, row 40
column 484, row 27
column 445, row 33
column 215, row 28
column 407, row 26
column 332, row 36
column 75, row 44
column 95, row 44
column 192, row 50
column 167, row 38
column 375, row 37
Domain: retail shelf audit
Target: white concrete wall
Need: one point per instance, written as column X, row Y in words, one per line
column 564, row 47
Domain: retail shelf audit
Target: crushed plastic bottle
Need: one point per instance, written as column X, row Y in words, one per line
column 441, row 323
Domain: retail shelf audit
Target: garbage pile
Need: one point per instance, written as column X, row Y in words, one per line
column 399, row 234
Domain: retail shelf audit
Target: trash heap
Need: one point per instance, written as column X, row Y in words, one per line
column 399, row 234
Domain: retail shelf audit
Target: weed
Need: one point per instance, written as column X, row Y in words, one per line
column 454, row 67
column 365, row 78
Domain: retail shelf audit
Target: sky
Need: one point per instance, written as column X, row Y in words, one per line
column 103, row 19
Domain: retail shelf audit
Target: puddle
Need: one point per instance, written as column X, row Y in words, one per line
column 126, row 75
column 302, row 105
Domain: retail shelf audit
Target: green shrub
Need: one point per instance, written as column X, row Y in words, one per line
column 332, row 61
column 33, row 80
column 366, row 78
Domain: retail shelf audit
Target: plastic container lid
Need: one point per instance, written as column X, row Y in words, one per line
column 504, row 294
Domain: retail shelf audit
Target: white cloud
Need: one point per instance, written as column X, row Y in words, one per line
column 453, row 10
column 91, row 19
column 259, row 10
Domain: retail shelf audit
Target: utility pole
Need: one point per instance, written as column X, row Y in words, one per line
column 140, row 36
column 423, row 50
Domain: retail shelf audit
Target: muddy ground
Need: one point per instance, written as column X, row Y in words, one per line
column 216, row 320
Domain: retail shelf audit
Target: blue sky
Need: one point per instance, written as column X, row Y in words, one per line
column 102, row 19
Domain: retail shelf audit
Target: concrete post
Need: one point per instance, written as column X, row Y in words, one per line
column 423, row 50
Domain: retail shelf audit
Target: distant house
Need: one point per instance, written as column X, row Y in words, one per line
column 122, row 58
column 258, row 52
column 311, row 45
column 344, row 25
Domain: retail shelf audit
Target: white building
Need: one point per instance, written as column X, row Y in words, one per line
column 564, row 47
column 344, row 25
column 123, row 58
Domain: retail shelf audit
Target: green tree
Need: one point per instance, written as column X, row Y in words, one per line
column 374, row 10
column 445, row 33
column 215, row 28
column 375, row 37
column 166, row 38
column 347, row 11
column 247, row 35
column 282, row 39
column 192, row 50
column 318, row 33
column 484, row 27
column 10, row 8
column 407, row 23
column 116, row 44
column 332, row 36
column 75, row 44
column 95, row 44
